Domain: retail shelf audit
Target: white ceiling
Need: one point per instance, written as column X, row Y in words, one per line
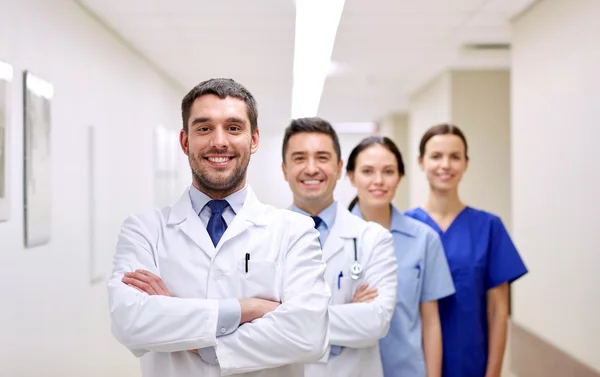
column 251, row 41
column 384, row 49
column 388, row 49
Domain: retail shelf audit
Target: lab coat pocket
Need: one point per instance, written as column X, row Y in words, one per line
column 342, row 291
column 260, row 280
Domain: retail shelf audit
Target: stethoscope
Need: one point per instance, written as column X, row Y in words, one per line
column 356, row 268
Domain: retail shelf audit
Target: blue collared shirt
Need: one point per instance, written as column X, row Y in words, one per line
column 229, row 308
column 423, row 275
column 328, row 217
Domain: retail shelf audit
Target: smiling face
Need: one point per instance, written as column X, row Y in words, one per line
column 218, row 144
column 312, row 169
column 376, row 176
column 444, row 162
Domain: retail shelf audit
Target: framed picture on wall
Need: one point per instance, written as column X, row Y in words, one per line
column 37, row 101
column 6, row 75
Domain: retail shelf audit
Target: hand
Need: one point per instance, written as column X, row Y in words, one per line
column 253, row 308
column 147, row 282
column 365, row 294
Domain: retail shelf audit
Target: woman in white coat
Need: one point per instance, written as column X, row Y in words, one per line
column 219, row 283
column 361, row 264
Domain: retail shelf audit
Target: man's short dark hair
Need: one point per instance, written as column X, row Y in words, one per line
column 222, row 88
column 310, row 125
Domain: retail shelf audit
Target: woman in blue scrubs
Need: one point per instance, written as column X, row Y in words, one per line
column 482, row 258
column 413, row 345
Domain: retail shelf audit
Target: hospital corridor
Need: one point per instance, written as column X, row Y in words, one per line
column 482, row 116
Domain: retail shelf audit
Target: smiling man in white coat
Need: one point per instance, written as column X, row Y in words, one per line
column 219, row 283
column 361, row 263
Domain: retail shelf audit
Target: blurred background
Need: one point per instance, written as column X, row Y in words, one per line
column 519, row 77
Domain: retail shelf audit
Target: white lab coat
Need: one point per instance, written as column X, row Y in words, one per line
column 357, row 327
column 285, row 265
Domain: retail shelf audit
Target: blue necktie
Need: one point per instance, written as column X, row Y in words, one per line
column 216, row 224
column 317, row 221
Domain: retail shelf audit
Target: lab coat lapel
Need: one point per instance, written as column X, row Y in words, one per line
column 341, row 231
column 252, row 213
column 183, row 215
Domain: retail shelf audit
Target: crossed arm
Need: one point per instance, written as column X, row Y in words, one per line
column 146, row 282
column 366, row 320
column 146, row 317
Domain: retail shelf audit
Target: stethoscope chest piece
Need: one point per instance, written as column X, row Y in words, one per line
column 356, row 268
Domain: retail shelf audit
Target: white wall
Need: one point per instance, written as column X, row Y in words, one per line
column 53, row 322
column 429, row 106
column 556, row 180
column 481, row 108
column 395, row 126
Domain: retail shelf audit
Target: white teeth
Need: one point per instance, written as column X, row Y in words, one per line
column 218, row 159
column 312, row 182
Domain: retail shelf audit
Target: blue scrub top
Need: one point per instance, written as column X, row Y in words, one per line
column 481, row 256
column 423, row 275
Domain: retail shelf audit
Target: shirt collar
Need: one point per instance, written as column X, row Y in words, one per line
column 235, row 200
column 327, row 215
column 398, row 224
